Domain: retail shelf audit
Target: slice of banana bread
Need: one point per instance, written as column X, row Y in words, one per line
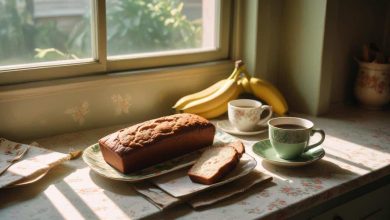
column 213, row 164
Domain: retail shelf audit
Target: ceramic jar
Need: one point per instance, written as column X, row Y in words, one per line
column 372, row 86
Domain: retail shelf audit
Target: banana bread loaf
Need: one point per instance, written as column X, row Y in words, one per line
column 151, row 142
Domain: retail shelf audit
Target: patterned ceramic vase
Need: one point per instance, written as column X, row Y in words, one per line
column 372, row 86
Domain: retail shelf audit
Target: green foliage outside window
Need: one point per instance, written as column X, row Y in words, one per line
column 15, row 29
column 133, row 26
column 152, row 25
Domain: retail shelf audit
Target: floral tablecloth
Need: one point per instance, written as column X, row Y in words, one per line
column 357, row 149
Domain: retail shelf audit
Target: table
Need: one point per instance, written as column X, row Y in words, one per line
column 357, row 149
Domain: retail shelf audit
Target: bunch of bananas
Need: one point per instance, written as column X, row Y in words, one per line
column 212, row 101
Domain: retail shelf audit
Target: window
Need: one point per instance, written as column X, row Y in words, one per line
column 46, row 39
column 36, row 31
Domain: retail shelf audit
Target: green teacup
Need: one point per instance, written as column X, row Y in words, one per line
column 290, row 136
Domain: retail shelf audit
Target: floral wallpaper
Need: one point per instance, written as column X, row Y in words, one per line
column 78, row 112
column 121, row 103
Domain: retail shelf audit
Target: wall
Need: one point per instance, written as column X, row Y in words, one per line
column 301, row 41
column 306, row 47
column 44, row 109
column 302, row 46
column 262, row 38
column 288, row 48
column 355, row 23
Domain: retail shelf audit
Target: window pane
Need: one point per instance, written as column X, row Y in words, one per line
column 44, row 30
column 145, row 26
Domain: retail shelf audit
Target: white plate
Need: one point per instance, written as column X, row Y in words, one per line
column 178, row 184
column 227, row 127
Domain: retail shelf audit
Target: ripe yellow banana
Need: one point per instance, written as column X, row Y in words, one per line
column 264, row 91
column 198, row 95
column 221, row 109
column 244, row 83
column 214, row 100
column 187, row 100
column 270, row 94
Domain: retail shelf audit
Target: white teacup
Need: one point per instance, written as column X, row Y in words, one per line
column 246, row 114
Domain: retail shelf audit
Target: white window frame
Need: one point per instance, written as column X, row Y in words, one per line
column 99, row 64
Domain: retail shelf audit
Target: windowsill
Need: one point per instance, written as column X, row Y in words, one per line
column 116, row 77
column 357, row 149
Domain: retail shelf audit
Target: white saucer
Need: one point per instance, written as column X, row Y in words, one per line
column 227, row 127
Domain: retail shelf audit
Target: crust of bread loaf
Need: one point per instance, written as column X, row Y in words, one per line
column 155, row 141
column 222, row 171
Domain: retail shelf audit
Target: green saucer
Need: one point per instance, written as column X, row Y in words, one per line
column 265, row 150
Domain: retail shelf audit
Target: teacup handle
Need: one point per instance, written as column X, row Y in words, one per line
column 265, row 120
column 312, row 132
